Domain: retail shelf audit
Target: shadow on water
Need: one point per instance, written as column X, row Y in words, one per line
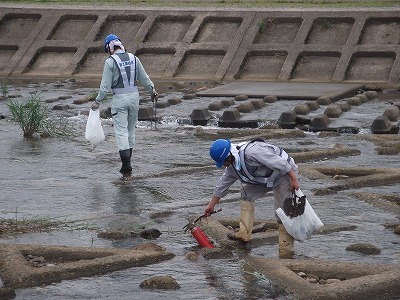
column 66, row 179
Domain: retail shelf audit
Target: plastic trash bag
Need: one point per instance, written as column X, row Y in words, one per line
column 299, row 219
column 94, row 131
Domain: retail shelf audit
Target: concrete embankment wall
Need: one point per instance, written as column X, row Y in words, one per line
column 306, row 46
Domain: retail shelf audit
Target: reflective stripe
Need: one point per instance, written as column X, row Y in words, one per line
column 129, row 84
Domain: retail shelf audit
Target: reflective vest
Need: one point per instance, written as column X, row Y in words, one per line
column 126, row 63
column 270, row 175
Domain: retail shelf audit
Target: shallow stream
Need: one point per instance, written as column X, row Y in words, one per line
column 65, row 179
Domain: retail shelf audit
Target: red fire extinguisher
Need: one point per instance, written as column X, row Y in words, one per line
column 198, row 234
column 200, row 237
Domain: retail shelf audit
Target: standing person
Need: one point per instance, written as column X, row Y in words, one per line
column 261, row 167
column 120, row 74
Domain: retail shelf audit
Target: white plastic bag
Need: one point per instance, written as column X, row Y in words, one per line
column 302, row 226
column 94, row 131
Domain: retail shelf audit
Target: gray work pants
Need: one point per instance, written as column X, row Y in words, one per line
column 124, row 110
column 251, row 192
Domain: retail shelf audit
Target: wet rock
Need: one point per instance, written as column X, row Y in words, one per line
column 324, row 100
column 258, row 103
column 313, row 105
column 344, row 105
column 228, row 102
column 392, row 113
column 320, row 122
column 14, row 96
column 387, row 150
column 64, row 97
column 174, row 101
column 216, row 253
column 270, row 99
column 354, row 101
column 193, row 256
column 333, row 111
column 302, row 109
column 60, row 107
column 241, row 97
column 397, row 230
column 151, row 233
column 371, row 95
column 7, row 293
column 246, row 107
column 364, row 248
column 162, row 104
column 363, row 98
column 51, row 100
column 160, row 282
column 216, row 106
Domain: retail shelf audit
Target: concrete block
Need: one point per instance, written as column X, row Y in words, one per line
column 228, row 102
column 216, row 105
column 270, row 99
column 241, row 97
column 354, row 101
column 174, row 101
column 319, row 123
column 258, row 103
column 313, row 105
column 162, row 104
column 200, row 116
column 246, row 107
column 381, row 125
column 363, row 97
column 344, row 105
column 145, row 113
column 302, row 109
column 324, row 100
column 333, row 111
column 287, row 120
column 393, row 113
column 230, row 114
column 371, row 95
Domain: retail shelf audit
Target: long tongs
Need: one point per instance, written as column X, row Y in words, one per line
column 190, row 225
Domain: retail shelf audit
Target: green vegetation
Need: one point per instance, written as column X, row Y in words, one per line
column 4, row 89
column 33, row 118
column 222, row 3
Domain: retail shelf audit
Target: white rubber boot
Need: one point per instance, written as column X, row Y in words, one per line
column 286, row 243
column 246, row 222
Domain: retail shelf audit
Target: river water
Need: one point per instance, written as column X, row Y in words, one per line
column 65, row 179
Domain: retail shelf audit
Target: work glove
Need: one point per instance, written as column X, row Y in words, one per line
column 154, row 96
column 95, row 105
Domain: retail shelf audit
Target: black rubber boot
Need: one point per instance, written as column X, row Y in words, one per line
column 126, row 169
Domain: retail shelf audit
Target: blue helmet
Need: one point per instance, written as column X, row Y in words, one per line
column 108, row 39
column 219, row 151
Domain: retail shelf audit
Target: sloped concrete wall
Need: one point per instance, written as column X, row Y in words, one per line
column 302, row 46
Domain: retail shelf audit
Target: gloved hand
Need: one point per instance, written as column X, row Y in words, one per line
column 154, row 96
column 95, row 105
